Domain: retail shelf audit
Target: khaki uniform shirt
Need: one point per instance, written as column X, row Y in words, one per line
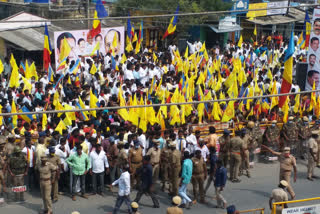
column 236, row 144
column 279, row 195
column 224, row 143
column 47, row 171
column 164, row 155
column 198, row 166
column 175, row 159
column 154, row 155
column 174, row 210
column 273, row 133
column 312, row 144
column 122, row 157
column 135, row 155
column 286, row 164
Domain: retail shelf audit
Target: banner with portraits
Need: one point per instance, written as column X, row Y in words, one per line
column 313, row 74
column 82, row 45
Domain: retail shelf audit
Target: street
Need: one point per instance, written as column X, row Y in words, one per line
column 250, row 193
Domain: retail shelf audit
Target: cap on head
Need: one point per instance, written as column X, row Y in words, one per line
column 226, row 132
column 250, row 124
column 52, row 149
column 284, row 183
column 274, row 121
column 176, row 200
column 120, row 143
column 43, row 158
column 111, row 139
column 134, row 205
column 305, row 119
column 231, row 209
column 75, row 212
column 290, row 118
column 172, row 144
column 286, row 149
column 315, row 132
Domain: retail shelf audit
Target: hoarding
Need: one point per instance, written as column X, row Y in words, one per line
column 82, row 45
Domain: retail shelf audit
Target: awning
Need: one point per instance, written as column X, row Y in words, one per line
column 294, row 15
column 225, row 30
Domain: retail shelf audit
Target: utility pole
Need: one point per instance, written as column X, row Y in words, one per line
column 288, row 7
column 88, row 13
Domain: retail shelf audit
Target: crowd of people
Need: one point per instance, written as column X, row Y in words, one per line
column 81, row 152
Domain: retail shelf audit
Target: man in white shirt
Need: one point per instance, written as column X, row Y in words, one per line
column 99, row 165
column 143, row 141
column 63, row 151
column 124, row 190
column 191, row 141
column 29, row 150
column 203, row 148
column 181, row 143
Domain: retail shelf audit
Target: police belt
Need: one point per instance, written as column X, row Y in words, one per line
column 155, row 163
column 136, row 162
column 45, row 179
column 236, row 153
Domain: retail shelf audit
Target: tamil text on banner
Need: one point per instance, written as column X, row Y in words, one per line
column 313, row 209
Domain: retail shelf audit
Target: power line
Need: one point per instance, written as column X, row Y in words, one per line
column 156, row 105
column 155, row 16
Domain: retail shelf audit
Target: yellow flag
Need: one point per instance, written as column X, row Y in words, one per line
column 65, row 49
column 250, row 113
column 186, row 53
column 59, row 107
column 129, row 47
column 33, row 71
column 14, row 117
column 93, row 69
column 122, row 112
column 93, row 103
column 240, row 41
column 313, row 100
column 133, row 116
column 56, row 98
column 115, row 41
column 175, row 115
column 14, row 78
column 155, row 58
column 1, row 67
column 44, row 121
column 1, row 117
column 83, row 107
column 285, row 109
column 216, row 110
column 229, row 113
column 255, row 30
column 143, row 116
column 71, row 115
column 60, row 127
column 297, row 103
column 95, row 49
column 27, row 84
column 123, row 59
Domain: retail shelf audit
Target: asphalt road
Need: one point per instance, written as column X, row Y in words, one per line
column 251, row 193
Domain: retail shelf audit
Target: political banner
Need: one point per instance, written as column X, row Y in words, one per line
column 83, row 45
column 313, row 58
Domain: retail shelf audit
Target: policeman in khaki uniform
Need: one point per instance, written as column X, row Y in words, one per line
column 135, row 161
column 291, row 131
column 304, row 135
column 312, row 153
column 279, row 195
column 134, row 207
column 245, row 152
column 47, row 173
column 18, row 168
column 175, row 168
column 122, row 156
column 236, row 147
column 154, row 154
column 224, row 142
column 54, row 160
column 199, row 175
column 164, row 164
column 176, row 201
column 287, row 163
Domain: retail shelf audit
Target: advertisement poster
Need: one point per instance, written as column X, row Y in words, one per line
column 82, row 46
column 313, row 59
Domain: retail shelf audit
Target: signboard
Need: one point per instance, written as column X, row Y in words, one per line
column 240, row 5
column 227, row 22
column 256, row 13
column 19, row 189
column 271, row 5
column 81, row 45
column 313, row 71
column 313, row 209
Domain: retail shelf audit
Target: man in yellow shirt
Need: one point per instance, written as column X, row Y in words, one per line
column 84, row 145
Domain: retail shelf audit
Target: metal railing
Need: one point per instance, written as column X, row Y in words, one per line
column 274, row 205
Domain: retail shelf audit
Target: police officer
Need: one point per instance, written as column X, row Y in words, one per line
column 47, row 173
column 279, row 195
column 134, row 207
column 135, row 161
column 236, row 145
column 273, row 135
column 245, row 153
column 290, row 131
column 304, row 135
column 164, row 164
column 54, row 160
column 287, row 163
column 253, row 130
column 224, row 142
column 199, row 175
column 174, row 209
column 122, row 156
column 18, row 168
column 154, row 154
column 312, row 153
column 175, row 167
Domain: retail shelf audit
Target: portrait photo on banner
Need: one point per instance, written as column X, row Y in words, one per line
column 82, row 44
